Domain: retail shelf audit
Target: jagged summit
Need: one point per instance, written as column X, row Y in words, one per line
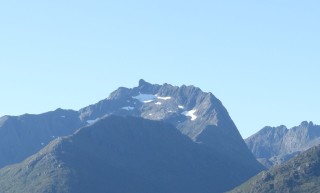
column 282, row 129
column 143, row 83
column 275, row 145
column 177, row 105
column 197, row 114
column 306, row 124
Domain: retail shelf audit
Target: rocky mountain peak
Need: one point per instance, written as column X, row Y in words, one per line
column 306, row 124
column 196, row 114
column 276, row 145
column 143, row 83
column 184, row 107
column 273, row 131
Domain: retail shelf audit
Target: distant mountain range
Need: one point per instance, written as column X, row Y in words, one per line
column 207, row 143
column 276, row 145
column 299, row 175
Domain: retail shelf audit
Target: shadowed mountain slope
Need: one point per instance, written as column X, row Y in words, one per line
column 299, row 175
column 22, row 136
column 118, row 154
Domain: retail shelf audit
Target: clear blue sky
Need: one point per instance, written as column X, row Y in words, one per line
column 260, row 58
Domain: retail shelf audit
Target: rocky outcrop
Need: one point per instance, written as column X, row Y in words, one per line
column 275, row 145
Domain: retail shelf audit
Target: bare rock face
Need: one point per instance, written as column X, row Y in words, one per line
column 276, row 145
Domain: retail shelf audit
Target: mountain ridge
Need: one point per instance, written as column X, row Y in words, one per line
column 276, row 145
column 123, row 154
column 299, row 174
column 198, row 115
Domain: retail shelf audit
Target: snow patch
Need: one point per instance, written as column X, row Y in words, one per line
column 181, row 107
column 128, row 108
column 145, row 98
column 63, row 116
column 164, row 98
column 190, row 114
column 158, row 103
column 92, row 121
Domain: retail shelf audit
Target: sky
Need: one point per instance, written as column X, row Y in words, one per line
column 260, row 58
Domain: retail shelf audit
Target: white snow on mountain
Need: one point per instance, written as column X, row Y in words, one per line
column 145, row 98
column 181, row 107
column 158, row 103
column 190, row 114
column 92, row 121
column 164, row 98
column 129, row 108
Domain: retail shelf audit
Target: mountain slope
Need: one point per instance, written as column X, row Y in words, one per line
column 22, row 136
column 299, row 175
column 197, row 114
column 119, row 154
column 276, row 145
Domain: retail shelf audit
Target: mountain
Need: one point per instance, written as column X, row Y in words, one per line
column 123, row 154
column 276, row 145
column 196, row 114
column 299, row 175
column 22, row 136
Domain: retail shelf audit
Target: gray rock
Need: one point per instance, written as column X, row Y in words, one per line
column 211, row 126
column 276, row 145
